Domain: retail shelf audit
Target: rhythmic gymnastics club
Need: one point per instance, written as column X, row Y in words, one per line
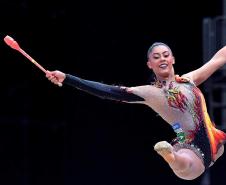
column 13, row 44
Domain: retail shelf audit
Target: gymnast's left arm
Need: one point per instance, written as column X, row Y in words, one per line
column 203, row 73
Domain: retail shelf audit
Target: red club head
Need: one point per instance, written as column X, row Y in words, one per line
column 11, row 42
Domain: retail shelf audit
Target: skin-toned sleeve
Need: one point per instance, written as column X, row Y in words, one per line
column 149, row 93
column 102, row 90
column 201, row 74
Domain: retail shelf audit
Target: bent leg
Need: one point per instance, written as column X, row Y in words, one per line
column 184, row 163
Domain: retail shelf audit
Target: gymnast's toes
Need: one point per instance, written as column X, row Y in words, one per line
column 163, row 146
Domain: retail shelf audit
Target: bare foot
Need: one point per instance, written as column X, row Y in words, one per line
column 165, row 149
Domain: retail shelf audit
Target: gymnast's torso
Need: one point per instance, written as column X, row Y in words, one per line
column 181, row 103
column 178, row 102
column 173, row 101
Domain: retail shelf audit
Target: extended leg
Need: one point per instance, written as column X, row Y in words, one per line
column 185, row 163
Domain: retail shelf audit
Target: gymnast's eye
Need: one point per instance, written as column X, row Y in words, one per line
column 156, row 56
column 166, row 54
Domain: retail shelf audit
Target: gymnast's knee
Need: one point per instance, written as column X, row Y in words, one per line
column 188, row 174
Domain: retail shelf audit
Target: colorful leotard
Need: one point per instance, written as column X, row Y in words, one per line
column 191, row 121
column 183, row 107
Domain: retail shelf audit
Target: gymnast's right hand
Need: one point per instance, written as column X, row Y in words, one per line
column 56, row 77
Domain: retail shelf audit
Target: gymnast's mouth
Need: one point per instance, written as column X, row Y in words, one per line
column 163, row 66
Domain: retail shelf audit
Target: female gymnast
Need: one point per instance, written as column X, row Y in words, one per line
column 178, row 100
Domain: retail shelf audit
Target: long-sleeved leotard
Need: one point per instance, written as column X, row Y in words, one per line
column 180, row 103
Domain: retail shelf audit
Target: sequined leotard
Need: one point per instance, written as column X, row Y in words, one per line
column 185, row 110
column 179, row 102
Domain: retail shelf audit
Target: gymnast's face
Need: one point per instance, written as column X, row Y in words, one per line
column 161, row 61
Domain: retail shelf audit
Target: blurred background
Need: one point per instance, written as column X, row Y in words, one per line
column 62, row 136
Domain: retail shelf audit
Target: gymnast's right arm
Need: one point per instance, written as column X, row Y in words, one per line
column 101, row 90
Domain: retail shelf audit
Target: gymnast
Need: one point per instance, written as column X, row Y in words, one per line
column 178, row 100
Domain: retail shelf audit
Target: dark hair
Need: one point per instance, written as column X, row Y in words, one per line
column 156, row 44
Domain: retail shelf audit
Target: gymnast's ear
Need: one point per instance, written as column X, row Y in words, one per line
column 149, row 64
column 173, row 59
